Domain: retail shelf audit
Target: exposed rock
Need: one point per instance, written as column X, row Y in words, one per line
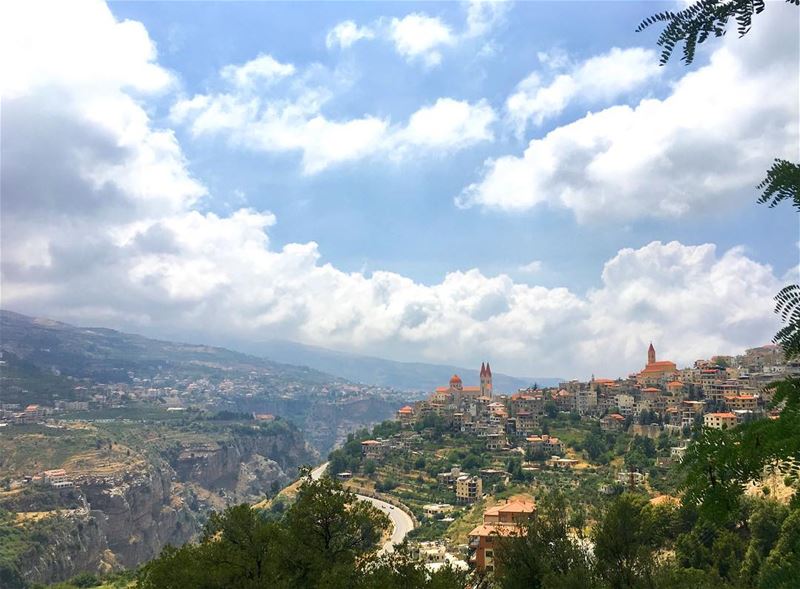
column 129, row 519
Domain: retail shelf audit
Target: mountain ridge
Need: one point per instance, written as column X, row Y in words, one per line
column 409, row 376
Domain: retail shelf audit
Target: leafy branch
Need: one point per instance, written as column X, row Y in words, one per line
column 695, row 24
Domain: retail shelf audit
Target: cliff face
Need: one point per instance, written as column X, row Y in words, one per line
column 246, row 468
column 325, row 423
column 78, row 544
column 127, row 520
column 141, row 515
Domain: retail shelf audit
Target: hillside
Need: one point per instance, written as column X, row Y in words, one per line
column 46, row 362
column 107, row 355
column 137, row 484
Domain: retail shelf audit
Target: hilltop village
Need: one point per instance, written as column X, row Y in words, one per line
column 468, row 461
column 720, row 392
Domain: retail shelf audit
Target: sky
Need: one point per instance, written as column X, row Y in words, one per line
column 446, row 182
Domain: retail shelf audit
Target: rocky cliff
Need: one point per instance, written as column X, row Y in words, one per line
column 124, row 520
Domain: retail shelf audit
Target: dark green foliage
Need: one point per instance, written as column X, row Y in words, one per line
column 399, row 571
column 788, row 307
column 696, row 23
column 782, row 568
column 326, row 539
column 640, row 454
column 320, row 542
column 547, row 555
column 721, row 462
column 765, row 528
column 85, row 580
column 782, row 182
column 625, row 540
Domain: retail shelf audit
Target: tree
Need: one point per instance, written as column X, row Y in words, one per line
column 546, row 555
column 625, row 543
column 696, row 23
column 782, row 568
column 764, row 525
column 398, row 570
column 320, row 542
column 329, row 529
column 788, row 307
column 720, row 463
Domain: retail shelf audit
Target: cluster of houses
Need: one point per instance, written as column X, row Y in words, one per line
column 717, row 393
column 477, row 411
column 34, row 413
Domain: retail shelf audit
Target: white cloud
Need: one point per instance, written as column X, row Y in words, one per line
column 127, row 57
column 704, row 146
column 295, row 122
column 421, row 38
column 347, row 33
column 263, row 68
column 600, row 78
column 483, row 16
column 532, row 267
column 100, row 225
column 449, row 124
column 418, row 36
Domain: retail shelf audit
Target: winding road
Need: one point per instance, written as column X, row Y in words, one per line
column 401, row 521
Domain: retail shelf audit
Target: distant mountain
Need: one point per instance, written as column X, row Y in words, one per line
column 45, row 361
column 107, row 355
column 409, row 376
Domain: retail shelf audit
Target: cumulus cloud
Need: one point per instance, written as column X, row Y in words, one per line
column 600, row 78
column 347, row 33
column 418, row 36
column 263, row 68
column 703, row 146
column 447, row 124
column 101, row 225
column 79, row 155
column 292, row 120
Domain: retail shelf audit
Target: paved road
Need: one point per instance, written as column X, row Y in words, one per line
column 319, row 471
column 401, row 521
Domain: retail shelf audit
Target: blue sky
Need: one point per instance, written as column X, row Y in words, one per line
column 402, row 217
column 422, row 181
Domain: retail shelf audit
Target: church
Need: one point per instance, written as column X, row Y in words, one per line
column 656, row 372
column 456, row 390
